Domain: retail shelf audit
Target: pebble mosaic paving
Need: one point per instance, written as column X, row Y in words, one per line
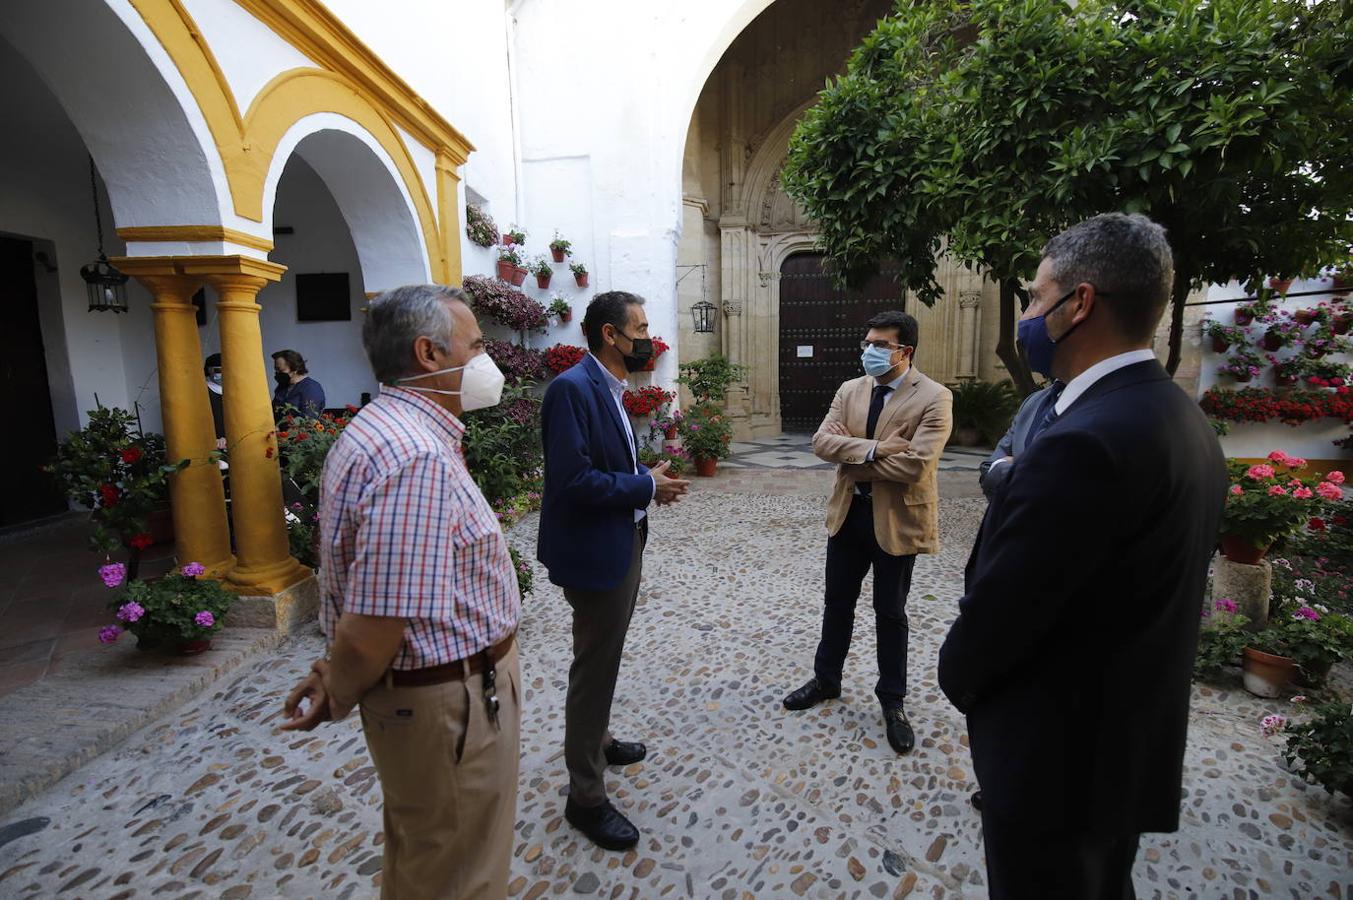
column 737, row 798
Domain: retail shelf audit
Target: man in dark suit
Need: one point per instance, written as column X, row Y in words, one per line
column 1073, row 649
column 995, row 469
column 593, row 528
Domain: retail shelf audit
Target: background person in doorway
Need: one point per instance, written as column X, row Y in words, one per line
column 295, row 387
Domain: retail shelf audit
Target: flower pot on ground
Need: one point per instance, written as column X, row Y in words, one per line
column 1267, row 675
column 1270, row 501
column 579, row 273
column 982, row 411
column 706, row 466
column 177, row 613
column 705, row 431
column 1319, row 749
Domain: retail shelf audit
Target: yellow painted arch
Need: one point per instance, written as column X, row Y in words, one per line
column 298, row 93
column 246, row 144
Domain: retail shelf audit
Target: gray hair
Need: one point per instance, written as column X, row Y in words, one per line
column 1127, row 258
column 400, row 316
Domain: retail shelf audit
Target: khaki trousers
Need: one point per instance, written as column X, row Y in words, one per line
column 450, row 783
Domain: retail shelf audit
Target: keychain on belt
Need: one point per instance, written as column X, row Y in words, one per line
column 490, row 693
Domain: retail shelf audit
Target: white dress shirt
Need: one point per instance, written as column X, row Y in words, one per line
column 618, row 387
column 1082, row 382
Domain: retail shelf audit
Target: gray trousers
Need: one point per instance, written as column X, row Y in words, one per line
column 601, row 619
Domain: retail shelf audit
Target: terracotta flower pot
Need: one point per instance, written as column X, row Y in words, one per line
column 557, row 254
column 581, row 279
column 1284, row 380
column 543, row 281
column 706, row 465
column 508, row 240
column 506, row 268
column 1280, row 284
column 1342, row 284
column 192, row 648
column 518, row 276
column 1304, row 316
column 1242, row 378
column 1273, row 341
column 1241, row 550
column 1219, row 344
column 1342, row 322
column 670, row 433
column 1267, row 675
column 565, row 317
column 1244, row 317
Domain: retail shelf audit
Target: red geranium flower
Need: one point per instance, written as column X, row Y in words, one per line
column 110, row 494
column 267, row 454
column 1316, row 524
column 131, row 455
column 141, row 541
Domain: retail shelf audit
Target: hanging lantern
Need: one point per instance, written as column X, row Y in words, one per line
column 107, row 286
column 703, row 314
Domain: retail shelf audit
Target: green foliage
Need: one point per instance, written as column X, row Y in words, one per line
column 541, row 266
column 479, row 226
column 985, row 406
column 171, row 606
column 559, row 306
column 113, row 468
column 562, row 245
column 1220, row 642
column 705, row 431
column 995, row 124
column 502, row 444
column 677, row 460
column 709, row 379
column 525, row 576
column 1321, row 750
column 1259, row 514
column 577, row 268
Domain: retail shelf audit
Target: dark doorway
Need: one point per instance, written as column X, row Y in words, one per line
column 821, row 327
column 27, row 493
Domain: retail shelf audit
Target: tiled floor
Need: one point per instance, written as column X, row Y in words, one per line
column 795, row 451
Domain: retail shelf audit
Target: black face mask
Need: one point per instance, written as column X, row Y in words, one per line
column 640, row 355
column 282, row 378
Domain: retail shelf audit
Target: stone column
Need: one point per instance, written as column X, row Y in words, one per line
column 264, row 562
column 1249, row 586
column 201, row 532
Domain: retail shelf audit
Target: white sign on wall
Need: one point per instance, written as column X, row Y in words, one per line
column 805, row 351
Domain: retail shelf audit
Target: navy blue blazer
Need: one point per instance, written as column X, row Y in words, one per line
column 1073, row 650
column 591, row 492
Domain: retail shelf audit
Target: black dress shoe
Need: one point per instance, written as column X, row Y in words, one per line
column 810, row 695
column 900, row 735
column 623, row 753
column 976, row 800
column 603, row 825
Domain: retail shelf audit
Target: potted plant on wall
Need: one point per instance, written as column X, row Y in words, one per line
column 543, row 272
column 559, row 307
column 1280, row 285
column 514, row 235
column 1246, row 313
column 1242, row 365
column 1282, row 331
column 1286, row 372
column 659, row 348
column 510, row 268
column 705, row 434
column 1223, row 336
column 504, row 304
column 560, row 248
column 479, row 226
column 579, row 273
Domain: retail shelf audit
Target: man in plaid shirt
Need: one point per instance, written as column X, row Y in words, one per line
column 420, row 604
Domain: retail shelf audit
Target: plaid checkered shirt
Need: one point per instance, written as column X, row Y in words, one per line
column 405, row 532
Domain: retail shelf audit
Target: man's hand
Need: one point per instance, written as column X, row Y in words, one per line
column 837, row 428
column 310, row 688
column 890, row 446
column 669, row 490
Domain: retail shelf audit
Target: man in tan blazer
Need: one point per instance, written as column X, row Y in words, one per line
column 885, row 431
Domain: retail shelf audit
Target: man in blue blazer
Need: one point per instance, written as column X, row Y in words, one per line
column 593, row 528
column 995, row 469
column 1073, row 649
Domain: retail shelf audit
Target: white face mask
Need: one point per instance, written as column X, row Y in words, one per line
column 481, row 385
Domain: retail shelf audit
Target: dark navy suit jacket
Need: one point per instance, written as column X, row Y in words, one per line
column 1073, row 650
column 591, row 491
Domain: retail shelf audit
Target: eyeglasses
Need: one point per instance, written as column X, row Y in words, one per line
column 882, row 345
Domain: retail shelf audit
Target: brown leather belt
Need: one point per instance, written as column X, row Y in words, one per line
column 453, row 671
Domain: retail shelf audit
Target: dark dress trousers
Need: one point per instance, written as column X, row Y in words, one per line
column 1073, row 649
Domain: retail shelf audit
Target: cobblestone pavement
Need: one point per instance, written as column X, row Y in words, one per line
column 737, row 798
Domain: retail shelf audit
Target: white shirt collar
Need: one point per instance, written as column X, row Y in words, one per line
column 1082, row 382
column 616, row 385
column 896, row 382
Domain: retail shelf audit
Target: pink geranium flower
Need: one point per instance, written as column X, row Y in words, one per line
column 1277, row 491
column 1237, row 489
column 1278, row 457
column 1303, row 493
column 1273, row 724
column 1335, row 477
column 108, row 634
column 1225, row 605
column 1296, row 462
column 205, row 619
column 1307, row 613
column 113, row 574
column 192, row 570
column 131, row 612
column 1329, row 491
column 1259, row 472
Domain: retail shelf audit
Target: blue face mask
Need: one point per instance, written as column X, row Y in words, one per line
column 1039, row 346
column 876, row 361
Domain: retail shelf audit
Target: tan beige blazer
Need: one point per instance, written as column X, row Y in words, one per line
column 906, row 495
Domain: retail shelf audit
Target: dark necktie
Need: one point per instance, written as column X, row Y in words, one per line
column 1048, row 414
column 880, row 397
